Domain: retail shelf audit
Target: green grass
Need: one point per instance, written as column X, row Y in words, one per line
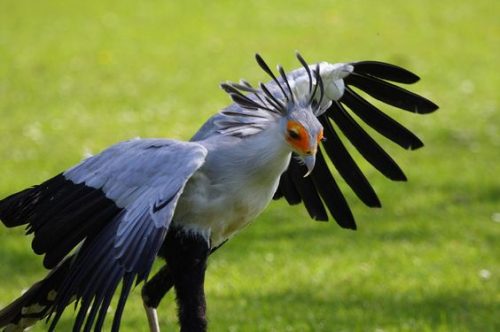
column 77, row 76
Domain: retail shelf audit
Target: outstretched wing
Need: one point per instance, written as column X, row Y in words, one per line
column 120, row 203
column 320, row 189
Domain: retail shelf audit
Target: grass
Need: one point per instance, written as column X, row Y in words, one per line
column 77, row 76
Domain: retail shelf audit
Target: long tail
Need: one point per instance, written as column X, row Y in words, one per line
column 36, row 303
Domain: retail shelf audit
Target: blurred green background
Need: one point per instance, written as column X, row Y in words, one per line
column 77, row 76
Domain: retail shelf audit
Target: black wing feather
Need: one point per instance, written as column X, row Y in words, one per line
column 307, row 191
column 366, row 145
column 331, row 194
column 127, row 284
column 60, row 213
column 107, row 297
column 57, row 200
column 385, row 71
column 287, row 189
column 100, row 257
column 61, row 248
column 19, row 208
column 391, row 94
column 379, row 121
column 346, row 166
column 370, row 77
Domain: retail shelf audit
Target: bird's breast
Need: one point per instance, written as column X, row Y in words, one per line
column 218, row 211
column 218, row 205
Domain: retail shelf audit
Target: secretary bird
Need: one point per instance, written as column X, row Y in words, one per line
column 104, row 221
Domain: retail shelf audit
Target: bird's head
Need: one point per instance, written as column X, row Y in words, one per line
column 294, row 101
column 303, row 132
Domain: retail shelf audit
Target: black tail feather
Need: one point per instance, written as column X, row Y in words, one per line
column 36, row 303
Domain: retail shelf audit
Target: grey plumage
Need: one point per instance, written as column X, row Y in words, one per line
column 114, row 210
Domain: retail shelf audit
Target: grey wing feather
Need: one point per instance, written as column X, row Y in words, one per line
column 145, row 178
column 139, row 168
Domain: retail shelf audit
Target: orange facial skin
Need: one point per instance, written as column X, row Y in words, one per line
column 320, row 136
column 298, row 137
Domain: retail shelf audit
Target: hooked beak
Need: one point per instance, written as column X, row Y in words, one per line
column 309, row 161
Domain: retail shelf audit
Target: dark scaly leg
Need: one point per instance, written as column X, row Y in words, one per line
column 161, row 283
column 187, row 256
column 152, row 293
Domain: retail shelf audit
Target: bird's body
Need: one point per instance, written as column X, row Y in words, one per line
column 217, row 204
column 105, row 220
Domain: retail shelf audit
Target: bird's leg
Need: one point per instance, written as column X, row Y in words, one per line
column 186, row 256
column 154, row 324
column 156, row 288
column 152, row 293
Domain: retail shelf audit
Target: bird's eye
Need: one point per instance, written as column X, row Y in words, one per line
column 321, row 138
column 293, row 133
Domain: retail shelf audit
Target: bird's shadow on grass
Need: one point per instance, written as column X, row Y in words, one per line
column 331, row 232
column 364, row 311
